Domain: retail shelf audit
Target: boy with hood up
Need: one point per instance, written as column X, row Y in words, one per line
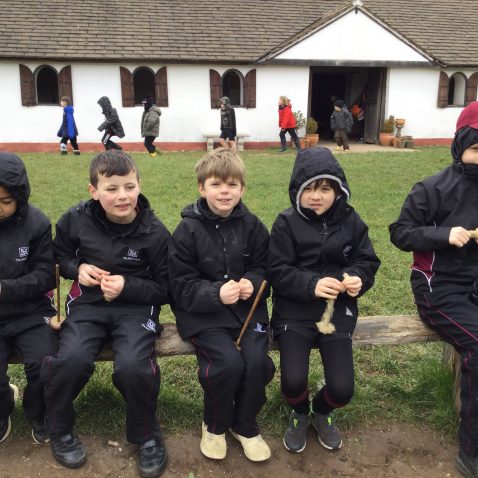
column 150, row 124
column 68, row 130
column 27, row 276
column 112, row 125
column 319, row 249
column 435, row 223
column 228, row 124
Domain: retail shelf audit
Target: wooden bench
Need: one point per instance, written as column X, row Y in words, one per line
column 241, row 137
column 212, row 138
column 376, row 330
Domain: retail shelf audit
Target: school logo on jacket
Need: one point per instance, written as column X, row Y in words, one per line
column 346, row 250
column 150, row 325
column 132, row 255
column 22, row 254
column 259, row 328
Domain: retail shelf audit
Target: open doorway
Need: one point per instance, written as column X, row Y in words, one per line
column 351, row 84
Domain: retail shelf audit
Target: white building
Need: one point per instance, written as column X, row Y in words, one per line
column 413, row 59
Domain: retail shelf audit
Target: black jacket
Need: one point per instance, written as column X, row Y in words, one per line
column 139, row 253
column 305, row 247
column 112, row 121
column 206, row 252
column 27, row 270
column 228, row 119
column 433, row 207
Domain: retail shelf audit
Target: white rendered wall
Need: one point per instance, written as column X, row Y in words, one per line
column 188, row 116
column 412, row 94
column 355, row 36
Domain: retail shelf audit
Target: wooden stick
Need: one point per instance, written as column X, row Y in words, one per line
column 57, row 276
column 251, row 313
column 474, row 233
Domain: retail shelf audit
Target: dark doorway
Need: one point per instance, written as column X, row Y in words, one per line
column 47, row 86
column 350, row 84
column 143, row 82
column 231, row 87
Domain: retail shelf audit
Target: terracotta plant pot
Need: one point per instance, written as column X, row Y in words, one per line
column 386, row 139
column 313, row 139
column 304, row 143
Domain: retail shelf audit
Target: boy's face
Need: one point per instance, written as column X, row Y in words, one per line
column 221, row 196
column 8, row 204
column 63, row 103
column 319, row 198
column 336, row 108
column 118, row 195
column 470, row 155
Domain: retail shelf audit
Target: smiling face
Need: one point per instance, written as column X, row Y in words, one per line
column 470, row 155
column 8, row 204
column 318, row 197
column 221, row 196
column 118, row 195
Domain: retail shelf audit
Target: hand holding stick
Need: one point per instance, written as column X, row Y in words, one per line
column 57, row 320
column 474, row 234
column 251, row 313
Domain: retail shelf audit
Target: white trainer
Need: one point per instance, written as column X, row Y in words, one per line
column 255, row 448
column 213, row 446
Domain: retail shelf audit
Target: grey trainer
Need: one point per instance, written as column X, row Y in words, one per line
column 329, row 436
column 295, row 437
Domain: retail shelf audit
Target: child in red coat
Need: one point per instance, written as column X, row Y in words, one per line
column 287, row 124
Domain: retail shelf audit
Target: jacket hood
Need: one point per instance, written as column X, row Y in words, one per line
column 312, row 164
column 69, row 108
column 13, row 177
column 200, row 210
column 105, row 103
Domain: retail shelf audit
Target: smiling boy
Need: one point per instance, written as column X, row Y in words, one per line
column 115, row 250
column 217, row 263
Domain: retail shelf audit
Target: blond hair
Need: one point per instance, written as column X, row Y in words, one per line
column 220, row 163
column 285, row 100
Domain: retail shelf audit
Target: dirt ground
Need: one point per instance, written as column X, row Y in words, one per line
column 398, row 450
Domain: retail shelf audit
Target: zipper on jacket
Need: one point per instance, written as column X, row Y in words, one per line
column 226, row 275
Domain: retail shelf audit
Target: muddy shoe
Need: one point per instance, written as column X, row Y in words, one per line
column 329, row 436
column 295, row 437
column 152, row 457
column 213, row 446
column 255, row 448
column 68, row 450
column 467, row 465
column 39, row 432
column 5, row 423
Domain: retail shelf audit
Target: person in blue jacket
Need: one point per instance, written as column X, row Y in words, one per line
column 68, row 130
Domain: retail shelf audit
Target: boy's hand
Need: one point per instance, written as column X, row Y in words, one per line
column 353, row 285
column 229, row 293
column 245, row 289
column 112, row 286
column 90, row 275
column 328, row 288
column 459, row 236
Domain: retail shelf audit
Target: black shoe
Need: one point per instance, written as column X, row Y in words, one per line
column 329, row 436
column 467, row 464
column 68, row 450
column 5, row 427
column 295, row 437
column 76, row 152
column 39, row 432
column 282, row 150
column 152, row 457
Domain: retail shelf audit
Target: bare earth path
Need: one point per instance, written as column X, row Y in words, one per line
column 398, row 450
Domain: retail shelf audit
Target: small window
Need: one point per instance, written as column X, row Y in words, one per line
column 143, row 84
column 47, row 86
column 457, row 89
column 232, row 85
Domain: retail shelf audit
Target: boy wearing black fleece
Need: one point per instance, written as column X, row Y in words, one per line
column 115, row 250
column 27, row 276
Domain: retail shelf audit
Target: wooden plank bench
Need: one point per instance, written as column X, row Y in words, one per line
column 376, row 330
column 212, row 138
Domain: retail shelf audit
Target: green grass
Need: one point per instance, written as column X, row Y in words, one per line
column 404, row 383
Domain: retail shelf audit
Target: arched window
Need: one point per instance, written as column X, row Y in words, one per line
column 47, row 86
column 232, row 87
column 457, row 89
column 143, row 84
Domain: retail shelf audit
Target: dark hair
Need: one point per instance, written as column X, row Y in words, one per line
column 66, row 99
column 329, row 182
column 111, row 163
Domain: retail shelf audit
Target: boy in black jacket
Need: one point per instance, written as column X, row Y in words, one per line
column 436, row 223
column 111, row 126
column 319, row 250
column 217, row 263
column 27, row 276
column 115, row 250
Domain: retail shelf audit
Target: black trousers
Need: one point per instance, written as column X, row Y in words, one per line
column 132, row 330
column 233, row 381
column 341, row 138
column 73, row 142
column 34, row 339
column 148, row 143
column 106, row 140
column 449, row 311
column 337, row 359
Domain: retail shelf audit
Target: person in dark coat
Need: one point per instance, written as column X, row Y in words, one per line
column 320, row 260
column 287, row 124
column 68, row 130
column 217, row 262
column 228, row 124
column 111, row 126
column 341, row 123
column 435, row 223
column 150, row 124
column 114, row 249
column 27, row 277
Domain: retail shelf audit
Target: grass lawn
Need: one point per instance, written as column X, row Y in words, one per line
column 392, row 383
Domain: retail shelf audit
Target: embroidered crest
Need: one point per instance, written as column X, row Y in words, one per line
column 150, row 325
column 259, row 328
column 133, row 253
column 346, row 250
column 23, row 251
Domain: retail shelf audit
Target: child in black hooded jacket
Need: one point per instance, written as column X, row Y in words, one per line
column 319, row 250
